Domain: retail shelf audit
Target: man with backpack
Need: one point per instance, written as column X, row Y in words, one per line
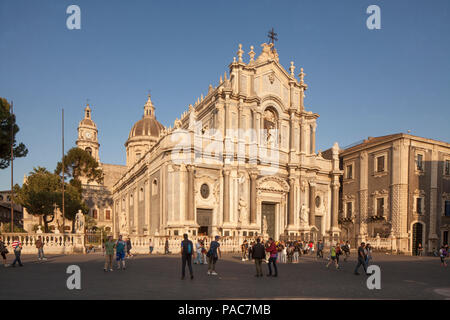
column 186, row 256
column 213, row 255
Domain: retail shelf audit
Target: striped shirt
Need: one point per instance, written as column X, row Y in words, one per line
column 16, row 243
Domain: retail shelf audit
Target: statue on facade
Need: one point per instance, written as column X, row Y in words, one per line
column 304, row 214
column 123, row 222
column 242, row 210
column 265, row 227
column 79, row 222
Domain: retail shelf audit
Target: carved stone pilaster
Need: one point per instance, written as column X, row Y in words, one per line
column 363, row 202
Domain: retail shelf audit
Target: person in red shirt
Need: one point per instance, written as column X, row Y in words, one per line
column 272, row 249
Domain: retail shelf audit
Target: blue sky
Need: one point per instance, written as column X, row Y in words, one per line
column 362, row 82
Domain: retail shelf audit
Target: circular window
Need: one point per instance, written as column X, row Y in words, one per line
column 204, row 191
column 317, row 201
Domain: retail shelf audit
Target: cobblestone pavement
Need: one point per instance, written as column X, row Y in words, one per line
column 158, row 277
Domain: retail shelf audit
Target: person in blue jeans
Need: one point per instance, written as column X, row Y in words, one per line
column 273, row 251
column 199, row 252
column 187, row 249
column 120, row 253
column 17, row 246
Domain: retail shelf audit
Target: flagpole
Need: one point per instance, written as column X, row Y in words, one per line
column 12, row 167
column 62, row 178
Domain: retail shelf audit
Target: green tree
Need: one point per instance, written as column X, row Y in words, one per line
column 79, row 163
column 7, row 120
column 39, row 194
column 73, row 201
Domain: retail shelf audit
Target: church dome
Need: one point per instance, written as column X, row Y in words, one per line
column 87, row 122
column 148, row 126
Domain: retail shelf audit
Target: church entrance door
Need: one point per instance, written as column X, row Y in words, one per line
column 204, row 220
column 417, row 237
column 268, row 219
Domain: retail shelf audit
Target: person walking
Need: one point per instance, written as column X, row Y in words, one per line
column 40, row 246
column 187, row 249
column 17, row 247
column 319, row 250
column 213, row 255
column 120, row 253
column 368, row 252
column 108, row 248
column 273, row 253
column 296, row 252
column 166, row 246
column 443, row 254
column 129, row 255
column 346, row 249
column 198, row 252
column 333, row 256
column 150, row 246
column 258, row 254
column 3, row 252
column 361, row 258
column 244, row 250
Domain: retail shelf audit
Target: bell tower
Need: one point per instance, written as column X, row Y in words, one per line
column 88, row 134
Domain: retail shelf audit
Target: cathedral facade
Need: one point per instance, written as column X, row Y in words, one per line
column 241, row 161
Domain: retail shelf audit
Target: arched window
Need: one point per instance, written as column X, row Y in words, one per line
column 89, row 150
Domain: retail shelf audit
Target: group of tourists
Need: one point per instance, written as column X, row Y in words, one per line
column 203, row 256
column 17, row 248
column 288, row 251
column 122, row 250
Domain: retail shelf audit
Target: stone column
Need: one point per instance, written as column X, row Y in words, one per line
column 432, row 234
column 335, row 205
column 313, row 140
column 292, row 131
column 300, row 138
column 190, row 193
column 399, row 194
column 226, row 196
column 253, row 204
column 291, row 204
column 312, row 204
column 363, row 196
column 258, row 128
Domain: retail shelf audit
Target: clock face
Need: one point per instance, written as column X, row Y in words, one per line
column 88, row 135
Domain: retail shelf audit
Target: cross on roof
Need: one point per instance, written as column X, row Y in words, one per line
column 272, row 36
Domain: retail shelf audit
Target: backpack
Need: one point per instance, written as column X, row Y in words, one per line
column 187, row 246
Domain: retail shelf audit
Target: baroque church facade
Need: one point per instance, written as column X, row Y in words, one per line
column 241, row 161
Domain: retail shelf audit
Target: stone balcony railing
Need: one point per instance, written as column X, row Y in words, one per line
column 53, row 243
